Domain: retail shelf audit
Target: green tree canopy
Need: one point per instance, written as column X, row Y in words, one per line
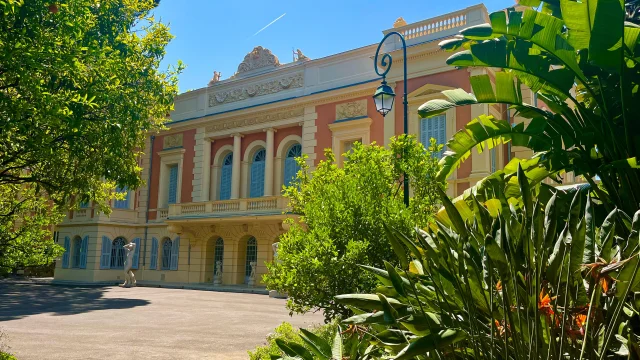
column 342, row 212
column 80, row 87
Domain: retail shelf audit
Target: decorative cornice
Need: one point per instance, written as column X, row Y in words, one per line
column 255, row 119
column 256, row 90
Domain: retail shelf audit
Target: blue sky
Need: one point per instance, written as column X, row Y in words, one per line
column 217, row 34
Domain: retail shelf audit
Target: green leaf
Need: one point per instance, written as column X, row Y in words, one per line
column 453, row 213
column 396, row 280
column 425, row 344
column 485, row 132
column 367, row 301
column 525, row 191
column 317, row 345
column 336, row 348
column 397, row 247
column 390, row 314
column 590, row 246
column 591, row 26
column 605, row 236
column 286, row 348
column 628, row 278
column 457, row 97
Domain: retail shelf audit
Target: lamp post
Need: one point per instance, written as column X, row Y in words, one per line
column 384, row 95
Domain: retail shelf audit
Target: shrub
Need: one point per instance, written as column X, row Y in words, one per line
column 342, row 211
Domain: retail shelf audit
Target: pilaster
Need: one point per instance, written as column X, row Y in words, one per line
column 309, row 130
column 235, row 172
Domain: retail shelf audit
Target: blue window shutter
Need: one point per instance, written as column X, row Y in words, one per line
column 105, row 257
column 67, row 252
column 175, row 251
column 434, row 127
column 173, row 184
column 424, row 132
column 153, row 264
column 83, row 252
column 290, row 170
column 225, row 182
column 257, row 174
column 122, row 204
column 136, row 254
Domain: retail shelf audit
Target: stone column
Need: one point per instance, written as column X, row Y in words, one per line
column 268, row 168
column 235, row 171
column 206, row 170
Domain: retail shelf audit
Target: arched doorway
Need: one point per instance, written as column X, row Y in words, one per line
column 251, row 256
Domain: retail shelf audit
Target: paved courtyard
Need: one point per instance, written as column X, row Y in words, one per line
column 56, row 322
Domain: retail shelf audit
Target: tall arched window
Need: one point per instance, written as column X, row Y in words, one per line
column 225, row 177
column 219, row 255
column 257, row 174
column 252, row 255
column 77, row 250
column 167, row 246
column 117, row 253
column 291, row 167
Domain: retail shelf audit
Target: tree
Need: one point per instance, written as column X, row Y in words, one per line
column 581, row 58
column 342, row 212
column 80, row 88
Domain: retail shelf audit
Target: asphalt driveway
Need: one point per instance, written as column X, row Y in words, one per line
column 56, row 322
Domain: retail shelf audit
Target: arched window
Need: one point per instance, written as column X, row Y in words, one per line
column 77, row 252
column 291, row 167
column 225, row 177
column 167, row 246
column 257, row 174
column 252, row 255
column 219, row 254
column 117, row 253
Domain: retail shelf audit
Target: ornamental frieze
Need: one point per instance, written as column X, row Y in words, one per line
column 259, row 119
column 255, row 90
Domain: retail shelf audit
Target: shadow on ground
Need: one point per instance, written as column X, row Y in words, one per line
column 19, row 300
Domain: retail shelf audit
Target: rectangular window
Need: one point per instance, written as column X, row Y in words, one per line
column 84, row 205
column 173, row 184
column 434, row 127
column 348, row 145
column 122, row 204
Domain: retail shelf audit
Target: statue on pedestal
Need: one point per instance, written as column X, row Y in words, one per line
column 216, row 78
column 252, row 276
column 217, row 277
column 274, row 246
column 129, row 278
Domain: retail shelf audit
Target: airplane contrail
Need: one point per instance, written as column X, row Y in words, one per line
column 269, row 24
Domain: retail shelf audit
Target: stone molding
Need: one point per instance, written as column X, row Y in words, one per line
column 253, row 120
column 256, row 90
column 351, row 109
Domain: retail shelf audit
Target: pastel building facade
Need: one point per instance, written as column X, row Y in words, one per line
column 215, row 175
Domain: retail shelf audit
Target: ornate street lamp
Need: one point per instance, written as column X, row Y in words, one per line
column 384, row 95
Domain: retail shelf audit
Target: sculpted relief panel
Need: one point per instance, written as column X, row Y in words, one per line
column 258, row 58
column 258, row 119
column 351, row 109
column 253, row 90
column 172, row 141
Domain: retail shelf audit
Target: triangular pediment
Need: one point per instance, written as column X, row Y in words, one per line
column 427, row 92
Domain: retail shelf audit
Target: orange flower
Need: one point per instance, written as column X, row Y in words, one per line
column 499, row 285
column 581, row 320
column 501, row 328
column 544, row 304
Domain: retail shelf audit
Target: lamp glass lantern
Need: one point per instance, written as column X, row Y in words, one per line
column 383, row 98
